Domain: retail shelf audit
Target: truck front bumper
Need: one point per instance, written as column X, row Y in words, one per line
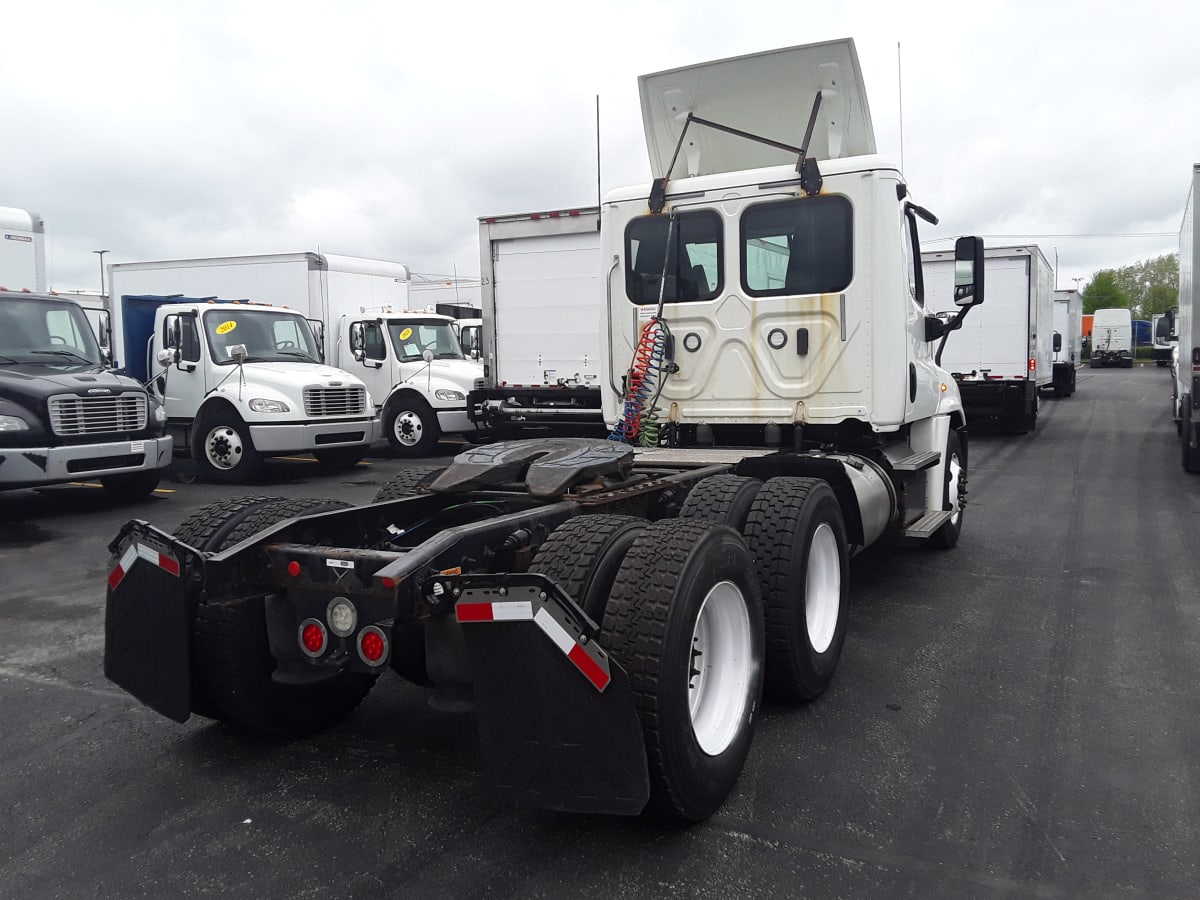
column 294, row 437
column 31, row 466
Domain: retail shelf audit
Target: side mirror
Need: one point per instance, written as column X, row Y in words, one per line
column 1057, row 342
column 237, row 352
column 105, row 330
column 357, row 341
column 968, row 271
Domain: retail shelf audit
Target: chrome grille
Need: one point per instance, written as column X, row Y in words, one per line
column 72, row 415
column 335, row 401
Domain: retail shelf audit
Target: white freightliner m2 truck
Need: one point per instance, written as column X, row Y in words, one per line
column 613, row 609
column 356, row 309
column 1187, row 332
column 542, row 290
column 1003, row 357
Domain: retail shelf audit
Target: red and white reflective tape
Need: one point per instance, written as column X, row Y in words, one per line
column 523, row 611
column 507, row 611
column 132, row 554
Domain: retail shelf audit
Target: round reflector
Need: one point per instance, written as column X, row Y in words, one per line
column 293, row 568
column 372, row 646
column 312, row 637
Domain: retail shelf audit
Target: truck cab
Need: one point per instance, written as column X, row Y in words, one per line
column 791, row 291
column 414, row 366
column 64, row 414
column 243, row 381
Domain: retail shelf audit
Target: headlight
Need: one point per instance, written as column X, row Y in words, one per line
column 261, row 405
column 13, row 423
column 450, row 395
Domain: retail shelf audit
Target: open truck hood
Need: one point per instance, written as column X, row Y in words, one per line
column 767, row 94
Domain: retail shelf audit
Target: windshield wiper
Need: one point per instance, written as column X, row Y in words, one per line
column 300, row 354
column 66, row 353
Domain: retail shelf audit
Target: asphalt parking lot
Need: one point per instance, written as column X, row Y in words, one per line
column 1013, row 718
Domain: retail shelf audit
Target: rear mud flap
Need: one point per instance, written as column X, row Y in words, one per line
column 148, row 619
column 559, row 730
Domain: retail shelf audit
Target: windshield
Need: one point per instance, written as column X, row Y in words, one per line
column 48, row 332
column 412, row 337
column 267, row 335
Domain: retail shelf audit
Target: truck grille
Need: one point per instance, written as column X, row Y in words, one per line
column 335, row 401
column 74, row 415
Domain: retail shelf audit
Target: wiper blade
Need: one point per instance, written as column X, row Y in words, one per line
column 296, row 353
column 66, row 353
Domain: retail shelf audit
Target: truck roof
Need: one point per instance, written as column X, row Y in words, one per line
column 569, row 213
column 768, row 94
column 11, row 217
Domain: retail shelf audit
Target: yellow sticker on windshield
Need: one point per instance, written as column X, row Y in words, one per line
column 406, row 334
column 226, row 327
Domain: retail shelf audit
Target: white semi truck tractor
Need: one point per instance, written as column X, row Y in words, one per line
column 613, row 609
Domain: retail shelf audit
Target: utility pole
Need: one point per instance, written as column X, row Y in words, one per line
column 101, row 253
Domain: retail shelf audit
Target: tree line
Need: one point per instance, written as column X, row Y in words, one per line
column 1145, row 288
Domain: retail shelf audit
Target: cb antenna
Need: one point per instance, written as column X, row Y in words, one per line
column 900, row 94
column 598, row 195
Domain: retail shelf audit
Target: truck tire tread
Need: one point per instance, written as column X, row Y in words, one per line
column 647, row 612
column 267, row 514
column 722, row 498
column 583, row 555
column 775, row 531
column 407, row 483
column 207, row 527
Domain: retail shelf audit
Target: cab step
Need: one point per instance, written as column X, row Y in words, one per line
column 925, row 527
column 918, row 461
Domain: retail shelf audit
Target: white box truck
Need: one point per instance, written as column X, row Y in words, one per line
column 359, row 311
column 543, row 305
column 22, row 250
column 240, row 381
column 1187, row 332
column 1003, row 357
column 1112, row 338
column 1068, row 340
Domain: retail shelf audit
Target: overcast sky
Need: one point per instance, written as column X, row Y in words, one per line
column 166, row 130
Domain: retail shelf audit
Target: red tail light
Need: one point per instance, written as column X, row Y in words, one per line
column 1032, row 364
column 372, row 646
column 312, row 637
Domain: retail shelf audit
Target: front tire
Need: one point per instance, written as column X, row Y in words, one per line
column 797, row 534
column 223, row 449
column 953, row 487
column 411, row 426
column 685, row 621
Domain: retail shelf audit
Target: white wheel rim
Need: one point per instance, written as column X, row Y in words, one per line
column 955, row 474
column 223, row 447
column 823, row 588
column 409, row 428
column 720, row 668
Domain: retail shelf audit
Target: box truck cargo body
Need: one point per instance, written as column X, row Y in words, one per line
column 1187, row 332
column 22, row 250
column 1003, row 357
column 543, row 303
column 1068, row 340
column 1112, row 338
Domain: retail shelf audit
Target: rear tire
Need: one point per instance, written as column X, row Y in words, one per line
column 407, row 483
column 1187, row 430
column 205, row 529
column 583, row 555
column 685, row 622
column 796, row 533
column 232, row 661
column 725, row 499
